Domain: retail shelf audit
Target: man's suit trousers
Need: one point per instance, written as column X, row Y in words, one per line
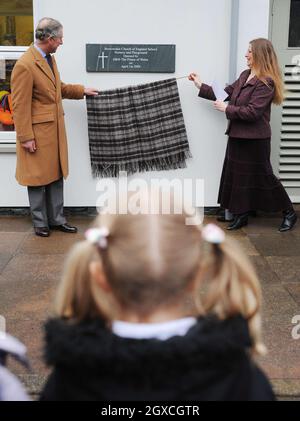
column 47, row 203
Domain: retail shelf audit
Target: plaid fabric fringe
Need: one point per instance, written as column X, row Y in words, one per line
column 137, row 128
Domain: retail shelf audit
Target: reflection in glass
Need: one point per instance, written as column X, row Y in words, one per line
column 16, row 22
column 6, row 67
column 294, row 31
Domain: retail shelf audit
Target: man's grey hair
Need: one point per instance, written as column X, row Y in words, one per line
column 47, row 28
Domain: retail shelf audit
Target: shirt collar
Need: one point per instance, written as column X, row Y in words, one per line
column 160, row 331
column 40, row 50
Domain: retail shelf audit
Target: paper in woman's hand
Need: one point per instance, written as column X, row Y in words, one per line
column 219, row 92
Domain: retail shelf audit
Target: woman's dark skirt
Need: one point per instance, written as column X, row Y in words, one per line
column 248, row 182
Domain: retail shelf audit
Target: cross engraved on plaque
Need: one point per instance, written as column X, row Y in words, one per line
column 102, row 57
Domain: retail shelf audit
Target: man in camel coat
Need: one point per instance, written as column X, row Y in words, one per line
column 42, row 151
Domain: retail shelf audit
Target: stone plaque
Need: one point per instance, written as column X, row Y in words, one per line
column 145, row 58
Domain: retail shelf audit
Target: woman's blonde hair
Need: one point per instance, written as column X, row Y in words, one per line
column 150, row 262
column 265, row 64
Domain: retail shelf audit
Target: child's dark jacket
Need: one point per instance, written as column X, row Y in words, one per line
column 210, row 362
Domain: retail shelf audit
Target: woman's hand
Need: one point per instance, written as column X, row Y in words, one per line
column 195, row 78
column 220, row 106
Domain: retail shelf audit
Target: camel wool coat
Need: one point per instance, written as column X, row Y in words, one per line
column 38, row 114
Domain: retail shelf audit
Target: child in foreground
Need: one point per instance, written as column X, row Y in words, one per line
column 150, row 308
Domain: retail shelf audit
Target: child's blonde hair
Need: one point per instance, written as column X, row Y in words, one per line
column 149, row 262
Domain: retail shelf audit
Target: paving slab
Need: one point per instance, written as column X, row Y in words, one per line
column 42, row 273
column 31, row 333
column 280, row 244
column 30, row 268
column 283, row 358
column 264, row 270
column 262, row 226
column 294, row 290
column 278, row 303
column 4, row 259
column 287, row 268
column 11, row 241
column 57, row 243
column 82, row 223
column 15, row 224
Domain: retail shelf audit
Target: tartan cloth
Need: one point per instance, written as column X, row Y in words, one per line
column 137, row 128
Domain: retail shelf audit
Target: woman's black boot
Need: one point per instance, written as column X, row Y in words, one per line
column 289, row 220
column 238, row 222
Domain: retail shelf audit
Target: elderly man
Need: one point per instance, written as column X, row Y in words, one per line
column 42, row 152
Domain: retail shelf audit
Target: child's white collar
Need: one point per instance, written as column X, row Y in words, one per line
column 162, row 331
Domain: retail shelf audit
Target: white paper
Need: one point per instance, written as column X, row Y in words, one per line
column 219, row 92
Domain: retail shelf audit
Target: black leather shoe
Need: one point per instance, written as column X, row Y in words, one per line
column 64, row 228
column 289, row 220
column 42, row 231
column 238, row 222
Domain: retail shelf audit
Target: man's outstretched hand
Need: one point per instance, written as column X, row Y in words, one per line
column 91, row 91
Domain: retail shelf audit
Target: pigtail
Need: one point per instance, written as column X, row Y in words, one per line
column 232, row 288
column 78, row 297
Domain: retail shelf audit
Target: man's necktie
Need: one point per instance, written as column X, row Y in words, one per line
column 49, row 60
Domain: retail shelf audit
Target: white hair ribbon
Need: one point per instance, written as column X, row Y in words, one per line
column 97, row 236
column 213, row 234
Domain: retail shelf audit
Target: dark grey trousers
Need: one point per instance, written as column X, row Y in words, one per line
column 47, row 204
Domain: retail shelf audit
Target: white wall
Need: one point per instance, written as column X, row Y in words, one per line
column 202, row 44
column 253, row 23
column 11, row 193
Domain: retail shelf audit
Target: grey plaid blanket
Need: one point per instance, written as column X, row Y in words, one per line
column 137, row 128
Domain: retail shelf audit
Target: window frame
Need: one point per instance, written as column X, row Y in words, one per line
column 8, row 139
column 289, row 29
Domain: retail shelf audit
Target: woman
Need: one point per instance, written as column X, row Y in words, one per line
column 248, row 182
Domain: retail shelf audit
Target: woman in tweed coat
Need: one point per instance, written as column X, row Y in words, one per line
column 248, row 182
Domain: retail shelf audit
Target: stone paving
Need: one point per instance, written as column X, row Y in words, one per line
column 30, row 269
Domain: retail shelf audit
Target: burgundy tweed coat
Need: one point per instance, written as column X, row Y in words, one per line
column 249, row 106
